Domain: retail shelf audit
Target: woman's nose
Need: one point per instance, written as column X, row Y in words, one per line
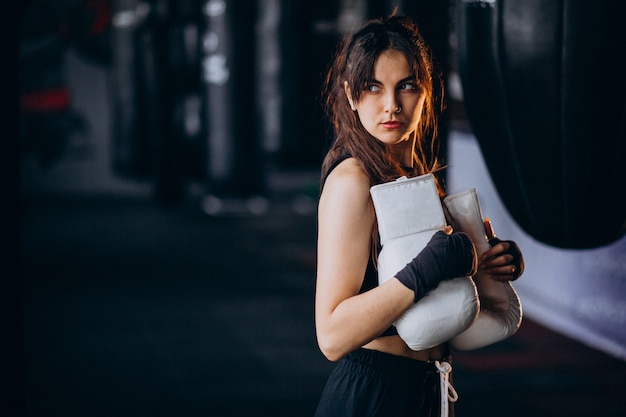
column 391, row 103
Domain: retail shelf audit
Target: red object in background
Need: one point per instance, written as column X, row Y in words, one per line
column 102, row 20
column 52, row 100
column 49, row 29
column 86, row 18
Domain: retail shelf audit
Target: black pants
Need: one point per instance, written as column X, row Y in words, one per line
column 368, row 383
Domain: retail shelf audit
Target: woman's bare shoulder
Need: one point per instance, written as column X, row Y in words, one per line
column 348, row 178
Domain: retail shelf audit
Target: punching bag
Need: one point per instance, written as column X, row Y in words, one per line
column 158, row 125
column 234, row 158
column 545, row 92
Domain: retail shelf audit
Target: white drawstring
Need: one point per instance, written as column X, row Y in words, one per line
column 447, row 390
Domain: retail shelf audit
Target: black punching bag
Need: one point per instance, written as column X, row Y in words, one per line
column 234, row 159
column 545, row 91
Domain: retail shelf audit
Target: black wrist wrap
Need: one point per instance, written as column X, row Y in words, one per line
column 444, row 257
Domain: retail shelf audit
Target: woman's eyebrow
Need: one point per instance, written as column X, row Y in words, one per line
column 405, row 79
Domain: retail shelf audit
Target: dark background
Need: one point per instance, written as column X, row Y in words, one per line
column 126, row 295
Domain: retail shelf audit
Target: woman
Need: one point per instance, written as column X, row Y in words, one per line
column 380, row 99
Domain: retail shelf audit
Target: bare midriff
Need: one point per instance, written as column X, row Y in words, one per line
column 394, row 345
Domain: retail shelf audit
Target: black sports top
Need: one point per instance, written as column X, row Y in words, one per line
column 370, row 280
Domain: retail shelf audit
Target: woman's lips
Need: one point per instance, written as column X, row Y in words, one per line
column 392, row 124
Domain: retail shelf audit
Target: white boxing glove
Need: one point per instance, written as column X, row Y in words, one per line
column 464, row 214
column 409, row 213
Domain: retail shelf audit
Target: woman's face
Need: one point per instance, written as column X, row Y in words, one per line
column 392, row 88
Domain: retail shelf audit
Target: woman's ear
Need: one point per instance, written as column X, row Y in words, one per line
column 346, row 88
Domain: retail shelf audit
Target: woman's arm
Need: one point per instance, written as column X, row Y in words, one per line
column 345, row 319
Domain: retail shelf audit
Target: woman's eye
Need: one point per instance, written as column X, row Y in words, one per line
column 373, row 88
column 407, row 86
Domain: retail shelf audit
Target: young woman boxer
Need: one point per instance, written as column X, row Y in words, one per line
column 380, row 99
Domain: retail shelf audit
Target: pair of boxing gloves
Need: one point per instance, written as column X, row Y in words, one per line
column 410, row 218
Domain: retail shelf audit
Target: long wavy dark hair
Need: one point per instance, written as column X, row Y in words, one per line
column 354, row 64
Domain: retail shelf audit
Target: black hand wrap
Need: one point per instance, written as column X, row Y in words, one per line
column 444, row 257
column 515, row 252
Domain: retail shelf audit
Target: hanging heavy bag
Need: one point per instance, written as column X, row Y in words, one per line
column 544, row 90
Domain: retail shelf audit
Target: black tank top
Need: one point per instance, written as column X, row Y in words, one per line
column 370, row 280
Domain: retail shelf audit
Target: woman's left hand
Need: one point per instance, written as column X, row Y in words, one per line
column 503, row 261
